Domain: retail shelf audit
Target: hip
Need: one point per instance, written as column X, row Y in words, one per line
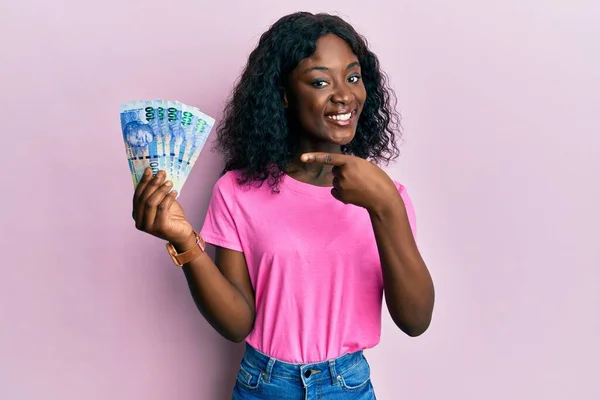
column 259, row 377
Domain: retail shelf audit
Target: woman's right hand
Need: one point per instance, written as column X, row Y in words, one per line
column 156, row 211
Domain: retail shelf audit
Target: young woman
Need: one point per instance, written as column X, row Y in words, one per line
column 309, row 231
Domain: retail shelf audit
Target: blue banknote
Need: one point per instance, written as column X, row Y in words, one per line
column 164, row 135
column 139, row 134
column 200, row 129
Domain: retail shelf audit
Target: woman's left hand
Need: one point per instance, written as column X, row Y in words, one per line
column 357, row 181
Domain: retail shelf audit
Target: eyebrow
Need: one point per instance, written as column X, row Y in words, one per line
column 321, row 68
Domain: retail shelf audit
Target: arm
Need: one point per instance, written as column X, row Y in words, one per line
column 408, row 287
column 222, row 291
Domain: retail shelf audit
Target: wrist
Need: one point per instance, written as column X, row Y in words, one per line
column 183, row 245
column 386, row 207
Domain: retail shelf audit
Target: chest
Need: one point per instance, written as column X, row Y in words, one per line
column 308, row 231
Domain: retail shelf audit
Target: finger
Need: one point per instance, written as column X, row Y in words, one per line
column 150, row 188
column 140, row 189
column 152, row 185
column 152, row 203
column 336, row 193
column 325, row 158
column 162, row 212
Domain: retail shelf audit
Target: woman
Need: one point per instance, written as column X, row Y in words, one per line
column 309, row 232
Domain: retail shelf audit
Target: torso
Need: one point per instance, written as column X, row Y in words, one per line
column 314, row 266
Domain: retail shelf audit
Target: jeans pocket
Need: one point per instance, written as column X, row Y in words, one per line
column 249, row 376
column 357, row 377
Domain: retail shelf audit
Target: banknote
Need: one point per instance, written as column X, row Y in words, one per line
column 164, row 135
column 139, row 135
column 185, row 127
column 194, row 125
column 202, row 126
column 176, row 138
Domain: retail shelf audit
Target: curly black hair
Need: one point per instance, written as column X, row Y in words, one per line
column 253, row 134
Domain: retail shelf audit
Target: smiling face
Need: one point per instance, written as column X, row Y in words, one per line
column 325, row 92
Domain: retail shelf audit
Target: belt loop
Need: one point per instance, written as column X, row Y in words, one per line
column 268, row 370
column 332, row 371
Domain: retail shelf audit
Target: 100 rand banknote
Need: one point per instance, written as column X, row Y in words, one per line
column 164, row 135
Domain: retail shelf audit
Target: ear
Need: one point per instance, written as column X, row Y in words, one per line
column 285, row 100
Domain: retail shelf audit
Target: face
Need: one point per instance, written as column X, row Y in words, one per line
column 326, row 93
column 138, row 135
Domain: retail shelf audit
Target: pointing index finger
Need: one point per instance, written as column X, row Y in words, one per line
column 324, row 158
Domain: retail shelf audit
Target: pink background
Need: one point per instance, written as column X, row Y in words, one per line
column 501, row 105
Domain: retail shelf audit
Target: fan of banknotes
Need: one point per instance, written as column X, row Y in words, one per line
column 164, row 135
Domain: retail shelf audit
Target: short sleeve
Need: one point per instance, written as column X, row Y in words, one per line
column 410, row 209
column 220, row 228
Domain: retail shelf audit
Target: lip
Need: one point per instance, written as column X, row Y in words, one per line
column 341, row 112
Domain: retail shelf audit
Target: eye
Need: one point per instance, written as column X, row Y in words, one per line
column 354, row 79
column 319, row 83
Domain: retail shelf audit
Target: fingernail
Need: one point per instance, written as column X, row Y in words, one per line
column 147, row 171
column 168, row 183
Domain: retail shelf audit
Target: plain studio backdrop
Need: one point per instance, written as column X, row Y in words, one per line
column 500, row 104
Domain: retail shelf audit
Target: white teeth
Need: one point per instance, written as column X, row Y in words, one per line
column 340, row 117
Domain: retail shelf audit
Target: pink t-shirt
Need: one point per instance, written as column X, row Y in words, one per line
column 313, row 263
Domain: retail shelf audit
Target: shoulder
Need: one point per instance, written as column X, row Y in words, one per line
column 402, row 191
column 401, row 188
column 238, row 183
column 408, row 204
column 228, row 182
column 224, row 191
column 231, row 187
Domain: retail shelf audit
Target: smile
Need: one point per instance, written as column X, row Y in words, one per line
column 341, row 119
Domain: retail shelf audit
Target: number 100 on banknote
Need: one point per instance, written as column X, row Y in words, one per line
column 164, row 135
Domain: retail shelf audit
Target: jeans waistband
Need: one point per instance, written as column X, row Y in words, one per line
column 330, row 369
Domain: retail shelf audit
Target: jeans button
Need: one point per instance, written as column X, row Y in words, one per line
column 307, row 373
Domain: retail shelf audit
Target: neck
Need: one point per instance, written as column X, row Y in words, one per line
column 317, row 174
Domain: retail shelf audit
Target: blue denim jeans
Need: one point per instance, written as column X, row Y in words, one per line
column 261, row 377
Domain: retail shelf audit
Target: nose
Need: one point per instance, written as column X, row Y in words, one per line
column 342, row 94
